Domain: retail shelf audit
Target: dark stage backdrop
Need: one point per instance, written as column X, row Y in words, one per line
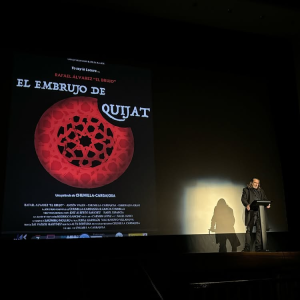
column 205, row 118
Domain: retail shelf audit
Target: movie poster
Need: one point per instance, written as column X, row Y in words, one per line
column 80, row 150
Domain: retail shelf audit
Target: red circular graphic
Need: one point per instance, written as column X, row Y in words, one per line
column 78, row 147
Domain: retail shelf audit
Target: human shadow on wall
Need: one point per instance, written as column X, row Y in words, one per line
column 222, row 223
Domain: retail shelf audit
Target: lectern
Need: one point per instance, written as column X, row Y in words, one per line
column 261, row 204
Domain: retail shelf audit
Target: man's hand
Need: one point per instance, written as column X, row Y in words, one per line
column 269, row 206
column 248, row 207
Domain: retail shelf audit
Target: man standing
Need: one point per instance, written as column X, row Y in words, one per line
column 253, row 192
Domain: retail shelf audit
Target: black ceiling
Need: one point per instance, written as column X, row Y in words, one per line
column 283, row 3
column 271, row 17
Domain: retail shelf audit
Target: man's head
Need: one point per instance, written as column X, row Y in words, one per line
column 255, row 183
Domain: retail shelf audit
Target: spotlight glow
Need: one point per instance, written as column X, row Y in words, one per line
column 201, row 199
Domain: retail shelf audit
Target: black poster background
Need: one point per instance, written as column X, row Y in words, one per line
column 27, row 182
